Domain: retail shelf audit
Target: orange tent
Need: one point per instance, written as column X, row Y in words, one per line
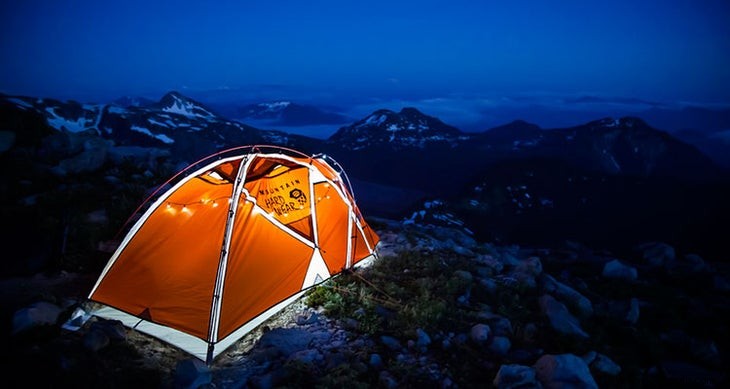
column 231, row 244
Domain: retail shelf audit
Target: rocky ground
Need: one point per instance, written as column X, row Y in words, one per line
column 438, row 309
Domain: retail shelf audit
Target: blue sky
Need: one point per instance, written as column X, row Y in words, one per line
column 668, row 51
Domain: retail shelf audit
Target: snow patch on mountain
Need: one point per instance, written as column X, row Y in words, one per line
column 161, row 137
column 61, row 123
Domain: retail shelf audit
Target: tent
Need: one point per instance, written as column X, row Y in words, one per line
column 234, row 241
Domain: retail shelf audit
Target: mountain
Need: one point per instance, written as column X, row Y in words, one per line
column 406, row 129
column 133, row 101
column 287, row 113
column 185, row 127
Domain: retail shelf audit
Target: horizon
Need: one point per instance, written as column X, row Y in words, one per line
column 474, row 66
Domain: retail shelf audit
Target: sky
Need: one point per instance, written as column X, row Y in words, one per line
column 370, row 52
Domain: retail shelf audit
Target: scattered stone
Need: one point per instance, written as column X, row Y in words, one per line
column 601, row 364
column 516, row 377
column 617, row 270
column 286, row 340
column 192, row 374
column 560, row 318
column 37, row 314
column 500, row 345
column 391, row 342
column 386, row 380
column 657, row 254
column 376, row 361
column 95, row 340
column 568, row 295
column 480, row 333
column 632, row 316
column 422, row 338
column 564, row 370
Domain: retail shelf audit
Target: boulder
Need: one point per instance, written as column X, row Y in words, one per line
column 286, row 340
column 617, row 270
column 37, row 314
column 500, row 345
column 601, row 364
column 564, row 371
column 657, row 254
column 568, row 295
column 516, row 376
column 560, row 318
column 480, row 333
column 191, row 374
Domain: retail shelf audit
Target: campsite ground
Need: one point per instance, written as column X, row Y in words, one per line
column 437, row 310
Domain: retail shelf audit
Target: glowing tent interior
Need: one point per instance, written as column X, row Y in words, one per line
column 231, row 244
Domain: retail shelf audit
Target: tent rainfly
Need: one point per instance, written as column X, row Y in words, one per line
column 231, row 244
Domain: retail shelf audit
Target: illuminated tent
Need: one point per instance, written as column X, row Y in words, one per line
column 231, row 244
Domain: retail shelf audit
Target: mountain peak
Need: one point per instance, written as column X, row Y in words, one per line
column 624, row 123
column 408, row 128
column 176, row 102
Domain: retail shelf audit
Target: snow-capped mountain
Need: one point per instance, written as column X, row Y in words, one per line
column 407, row 129
column 178, row 123
column 287, row 113
column 174, row 102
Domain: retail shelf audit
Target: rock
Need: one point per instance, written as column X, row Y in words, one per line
column 114, row 329
column 95, row 340
column 480, row 333
column 531, row 266
column 192, row 373
column 386, row 380
column 687, row 375
column 376, row 361
column 632, row 316
column 657, row 254
column 601, row 364
column 464, row 275
column 307, row 356
column 490, row 262
column 529, row 333
column 560, row 318
column 567, row 295
column 501, row 326
column 391, row 342
column 305, row 319
column 286, row 340
column 500, row 345
column 564, row 371
column 617, row 270
column 720, row 283
column 695, row 263
column 516, row 376
column 7, row 140
column 37, row 314
column 422, row 338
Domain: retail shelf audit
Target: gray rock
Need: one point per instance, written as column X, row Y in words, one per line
column 516, row 377
column 376, row 361
column 95, row 340
column 286, row 340
column 114, row 329
column 480, row 333
column 567, row 295
column 500, row 345
column 307, row 356
column 531, row 266
column 657, row 254
column 491, row 262
column 529, row 333
column 7, row 140
column 37, row 314
column 501, row 326
column 560, row 318
column 422, row 338
column 464, row 275
column 191, row 374
column 564, row 371
column 601, row 364
column 391, row 342
column 617, row 270
column 632, row 316
column 386, row 380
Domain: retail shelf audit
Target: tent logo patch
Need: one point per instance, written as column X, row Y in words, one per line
column 298, row 195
